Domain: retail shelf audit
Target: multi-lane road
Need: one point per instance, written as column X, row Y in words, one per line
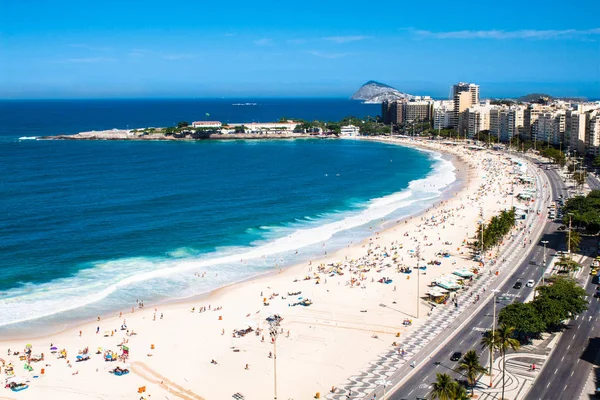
column 469, row 337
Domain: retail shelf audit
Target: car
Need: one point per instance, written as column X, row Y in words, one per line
column 457, row 355
column 518, row 285
column 530, row 283
column 593, row 271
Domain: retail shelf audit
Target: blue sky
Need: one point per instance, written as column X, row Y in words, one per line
column 185, row 48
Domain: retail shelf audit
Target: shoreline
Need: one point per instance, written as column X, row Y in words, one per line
column 460, row 172
column 315, row 355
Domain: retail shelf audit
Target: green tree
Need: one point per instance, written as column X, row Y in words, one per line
column 505, row 342
column 183, row 124
column 491, row 343
column 580, row 177
column 573, row 240
column 472, row 368
column 567, row 265
column 561, row 299
column 444, row 387
column 524, row 317
column 596, row 162
column 240, row 129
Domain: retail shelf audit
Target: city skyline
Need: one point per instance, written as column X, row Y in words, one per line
column 146, row 49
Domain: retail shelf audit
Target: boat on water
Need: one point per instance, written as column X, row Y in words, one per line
column 244, row 104
column 28, row 138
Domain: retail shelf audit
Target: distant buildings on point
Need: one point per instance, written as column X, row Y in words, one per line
column 574, row 125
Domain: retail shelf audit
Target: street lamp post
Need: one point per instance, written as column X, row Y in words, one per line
column 493, row 335
column 544, row 242
column 418, row 277
column 274, row 333
column 384, row 383
column 569, row 240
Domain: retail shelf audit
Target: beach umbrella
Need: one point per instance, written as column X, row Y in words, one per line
column 79, row 357
column 53, row 348
column 28, row 346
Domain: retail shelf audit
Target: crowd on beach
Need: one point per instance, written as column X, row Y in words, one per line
column 320, row 308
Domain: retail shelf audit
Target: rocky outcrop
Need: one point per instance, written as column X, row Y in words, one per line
column 374, row 92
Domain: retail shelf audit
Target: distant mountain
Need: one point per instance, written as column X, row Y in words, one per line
column 537, row 97
column 375, row 92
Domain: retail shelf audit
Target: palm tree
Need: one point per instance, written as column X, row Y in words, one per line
column 471, row 366
column 505, row 342
column 444, row 388
column 460, row 393
column 490, row 342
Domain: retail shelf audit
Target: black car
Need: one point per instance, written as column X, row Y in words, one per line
column 518, row 285
column 457, row 355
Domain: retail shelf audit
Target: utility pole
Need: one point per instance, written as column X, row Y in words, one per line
column 544, row 242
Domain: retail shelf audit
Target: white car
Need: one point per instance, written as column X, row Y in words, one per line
column 530, row 283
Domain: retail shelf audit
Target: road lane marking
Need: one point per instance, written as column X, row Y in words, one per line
column 556, row 370
column 572, row 372
column 563, row 357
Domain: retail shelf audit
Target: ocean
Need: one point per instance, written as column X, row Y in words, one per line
column 88, row 227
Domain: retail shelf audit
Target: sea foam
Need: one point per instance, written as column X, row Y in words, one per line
column 115, row 284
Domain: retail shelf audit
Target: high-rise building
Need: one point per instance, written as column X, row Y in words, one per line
column 592, row 138
column 442, row 114
column 505, row 122
column 576, row 130
column 464, row 95
column 420, row 110
column 550, row 127
column 477, row 119
column 392, row 112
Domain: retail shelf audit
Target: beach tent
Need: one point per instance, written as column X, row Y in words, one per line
column 463, row 273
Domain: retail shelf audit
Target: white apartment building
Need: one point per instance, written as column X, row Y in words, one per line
column 505, row 122
column 550, row 127
column 592, row 138
column 478, row 119
column 442, row 114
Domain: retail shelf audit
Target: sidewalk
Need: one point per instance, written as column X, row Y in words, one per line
column 519, row 375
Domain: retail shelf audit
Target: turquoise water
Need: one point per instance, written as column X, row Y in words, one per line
column 89, row 227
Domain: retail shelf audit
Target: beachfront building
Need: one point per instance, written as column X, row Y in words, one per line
column 442, row 114
column 417, row 110
column 464, row 95
column 350, row 130
column 506, row 122
column 392, row 112
column 592, row 137
column 267, row 127
column 207, row 124
column 550, row 127
column 477, row 119
column 400, row 111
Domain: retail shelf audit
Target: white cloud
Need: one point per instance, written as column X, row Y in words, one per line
column 345, row 39
column 518, row 34
column 328, row 55
column 263, row 42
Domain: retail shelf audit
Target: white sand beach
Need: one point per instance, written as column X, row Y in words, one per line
column 190, row 350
